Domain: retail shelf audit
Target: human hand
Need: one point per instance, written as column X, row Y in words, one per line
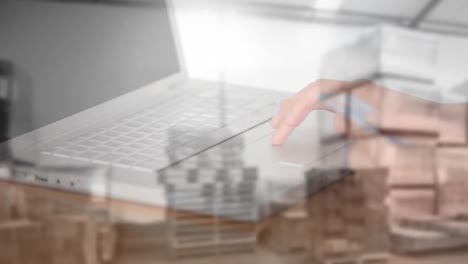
column 295, row 109
column 367, row 101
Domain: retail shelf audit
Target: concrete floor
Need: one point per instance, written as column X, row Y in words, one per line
column 263, row 256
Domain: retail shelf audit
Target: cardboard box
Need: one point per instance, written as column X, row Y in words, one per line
column 453, row 181
column 349, row 218
column 136, row 237
column 411, row 162
column 400, row 111
column 452, row 158
column 377, row 231
column 72, row 239
column 453, row 192
column 288, row 232
column 7, row 201
column 22, row 242
column 453, row 123
column 412, row 202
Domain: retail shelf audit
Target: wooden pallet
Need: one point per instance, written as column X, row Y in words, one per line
column 212, row 249
column 369, row 258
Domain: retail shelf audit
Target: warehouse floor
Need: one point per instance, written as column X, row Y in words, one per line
column 263, row 256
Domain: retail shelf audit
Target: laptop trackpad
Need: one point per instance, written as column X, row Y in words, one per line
column 300, row 150
column 286, row 162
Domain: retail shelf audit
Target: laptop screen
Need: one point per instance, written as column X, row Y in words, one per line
column 66, row 56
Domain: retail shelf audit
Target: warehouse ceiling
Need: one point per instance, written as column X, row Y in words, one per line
column 441, row 16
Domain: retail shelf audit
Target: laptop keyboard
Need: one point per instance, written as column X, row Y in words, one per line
column 143, row 139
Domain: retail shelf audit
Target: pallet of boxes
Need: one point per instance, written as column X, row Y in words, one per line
column 423, row 144
column 347, row 216
column 8, row 199
column 50, row 227
column 211, row 202
column 21, row 240
column 284, row 219
column 137, row 238
column 427, row 181
column 452, row 160
column 407, row 145
column 284, row 231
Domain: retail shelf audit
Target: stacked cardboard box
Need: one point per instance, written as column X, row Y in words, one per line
column 428, row 177
column 411, row 161
column 430, row 169
column 348, row 220
column 403, row 112
column 7, row 202
column 76, row 227
column 62, row 230
column 211, row 200
column 412, row 174
column 453, row 121
column 431, row 183
column 420, row 183
column 452, row 156
column 285, row 233
column 22, row 242
column 410, row 203
column 41, row 203
column 72, row 239
column 453, row 192
column 135, row 237
column 453, row 181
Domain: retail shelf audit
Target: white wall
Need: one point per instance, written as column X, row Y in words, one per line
column 257, row 51
column 281, row 54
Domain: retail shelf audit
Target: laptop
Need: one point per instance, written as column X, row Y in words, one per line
column 104, row 85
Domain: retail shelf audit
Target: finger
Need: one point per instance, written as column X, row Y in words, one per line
column 296, row 116
column 281, row 134
column 309, row 99
column 303, row 106
column 277, row 120
column 276, row 117
column 293, row 111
